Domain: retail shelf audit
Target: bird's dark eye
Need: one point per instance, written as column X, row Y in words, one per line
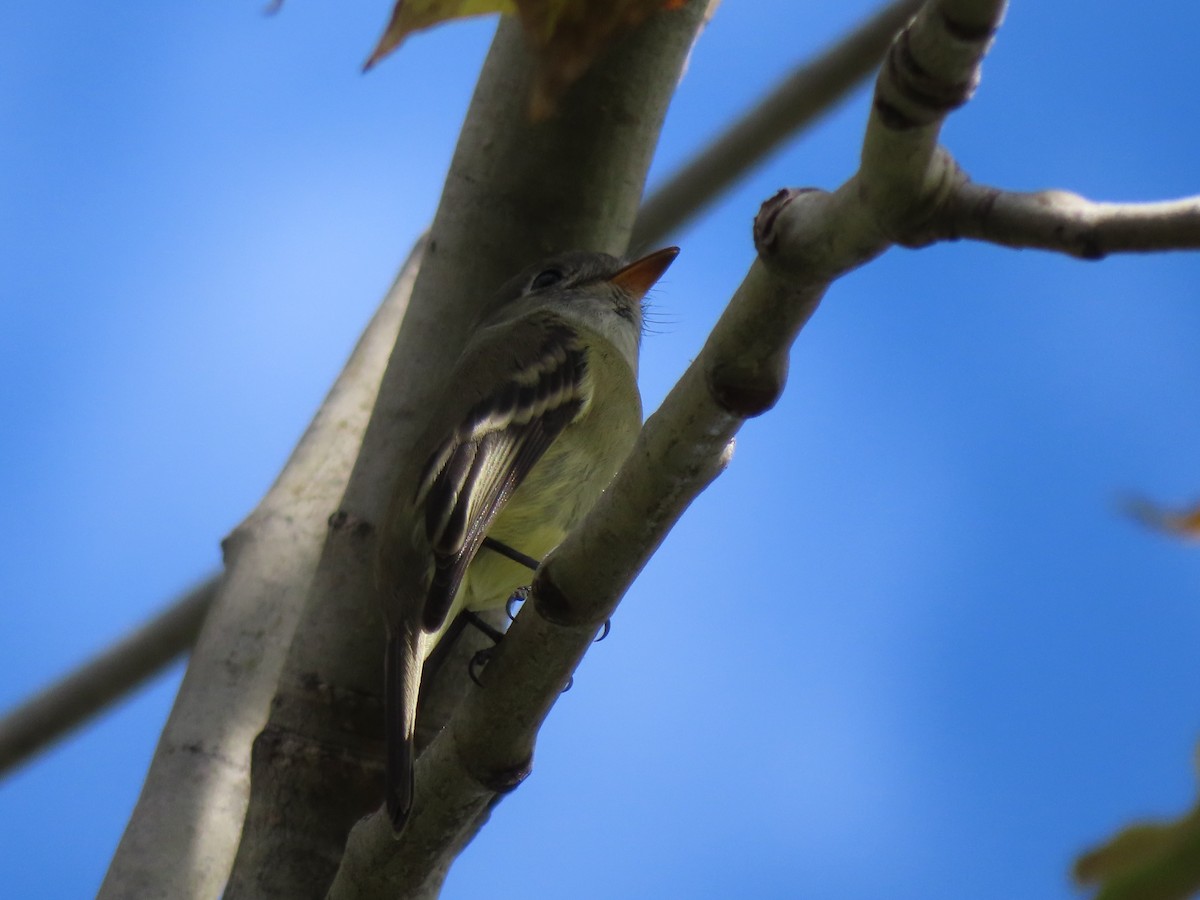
column 546, row 279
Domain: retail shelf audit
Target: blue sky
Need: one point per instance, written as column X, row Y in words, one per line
column 906, row 646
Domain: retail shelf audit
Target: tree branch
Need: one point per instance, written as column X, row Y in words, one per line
column 910, row 191
column 182, row 836
column 804, row 95
column 489, row 742
column 516, row 191
column 53, row 712
column 487, row 747
column 1067, row 223
column 799, row 99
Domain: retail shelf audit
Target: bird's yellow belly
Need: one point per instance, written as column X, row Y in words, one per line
column 566, row 483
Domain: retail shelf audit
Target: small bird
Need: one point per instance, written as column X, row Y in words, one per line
column 538, row 413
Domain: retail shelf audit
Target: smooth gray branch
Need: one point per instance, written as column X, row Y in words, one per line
column 804, row 95
column 910, row 191
column 1068, row 223
column 182, row 836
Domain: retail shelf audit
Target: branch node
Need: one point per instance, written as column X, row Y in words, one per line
column 552, row 602
column 495, row 779
column 505, row 781
column 914, row 221
column 934, row 95
column 770, row 243
column 931, row 68
column 766, row 240
column 233, row 544
column 747, row 388
column 1090, row 246
column 350, row 524
column 892, row 117
column 967, row 32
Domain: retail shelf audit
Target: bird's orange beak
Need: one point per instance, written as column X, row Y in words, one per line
column 640, row 275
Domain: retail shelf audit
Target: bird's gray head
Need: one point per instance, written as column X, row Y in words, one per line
column 594, row 289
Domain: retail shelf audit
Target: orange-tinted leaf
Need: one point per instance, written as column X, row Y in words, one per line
column 413, row 15
column 566, row 35
column 1184, row 523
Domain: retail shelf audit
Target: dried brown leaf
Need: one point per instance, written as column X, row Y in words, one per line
column 1181, row 523
column 567, row 36
column 413, row 15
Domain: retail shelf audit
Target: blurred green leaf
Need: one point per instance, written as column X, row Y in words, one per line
column 1146, row 861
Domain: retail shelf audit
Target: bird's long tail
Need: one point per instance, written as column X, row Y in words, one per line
column 403, row 684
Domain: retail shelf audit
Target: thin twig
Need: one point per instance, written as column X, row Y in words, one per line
column 47, row 716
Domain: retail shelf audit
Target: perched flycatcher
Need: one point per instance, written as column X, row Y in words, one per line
column 540, row 410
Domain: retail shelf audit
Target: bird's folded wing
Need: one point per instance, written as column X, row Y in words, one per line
column 475, row 471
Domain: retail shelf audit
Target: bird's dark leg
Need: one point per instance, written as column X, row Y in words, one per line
column 479, row 660
column 469, row 618
column 515, row 555
column 466, row 617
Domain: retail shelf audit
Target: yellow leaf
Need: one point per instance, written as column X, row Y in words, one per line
column 413, row 15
